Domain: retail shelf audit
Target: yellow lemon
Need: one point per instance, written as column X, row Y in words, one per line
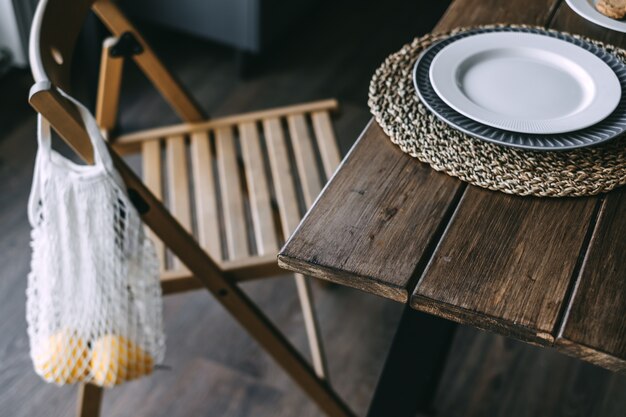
column 115, row 359
column 64, row 360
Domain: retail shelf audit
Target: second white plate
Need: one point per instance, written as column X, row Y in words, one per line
column 525, row 82
column 587, row 9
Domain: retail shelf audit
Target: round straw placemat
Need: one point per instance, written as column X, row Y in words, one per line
column 410, row 125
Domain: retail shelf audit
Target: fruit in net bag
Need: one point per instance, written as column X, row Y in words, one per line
column 115, row 359
column 64, row 358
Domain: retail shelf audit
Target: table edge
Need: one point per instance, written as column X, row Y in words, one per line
column 326, row 273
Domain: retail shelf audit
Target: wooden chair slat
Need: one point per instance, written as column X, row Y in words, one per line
column 326, row 142
column 178, row 184
column 282, row 175
column 130, row 139
column 258, row 189
column 232, row 197
column 305, row 158
column 207, row 217
column 287, row 201
column 151, row 165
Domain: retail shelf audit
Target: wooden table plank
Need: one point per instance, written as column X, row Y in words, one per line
column 506, row 262
column 595, row 327
column 595, row 324
column 369, row 230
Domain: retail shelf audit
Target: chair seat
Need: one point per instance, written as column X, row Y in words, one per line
column 240, row 183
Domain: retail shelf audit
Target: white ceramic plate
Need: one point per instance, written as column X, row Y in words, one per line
column 587, row 9
column 611, row 127
column 525, row 82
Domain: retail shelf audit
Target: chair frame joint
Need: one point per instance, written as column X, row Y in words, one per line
column 126, row 46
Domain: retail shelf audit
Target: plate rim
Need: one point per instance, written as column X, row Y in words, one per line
column 545, row 147
column 450, row 57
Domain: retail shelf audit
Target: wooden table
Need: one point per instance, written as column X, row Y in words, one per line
column 551, row 272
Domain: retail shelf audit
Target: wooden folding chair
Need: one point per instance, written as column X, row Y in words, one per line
column 217, row 176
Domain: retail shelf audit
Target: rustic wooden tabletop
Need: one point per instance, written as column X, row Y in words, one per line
column 547, row 271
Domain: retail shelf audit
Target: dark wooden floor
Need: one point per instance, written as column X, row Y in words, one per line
column 215, row 369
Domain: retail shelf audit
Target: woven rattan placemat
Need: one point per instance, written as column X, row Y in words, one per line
column 411, row 126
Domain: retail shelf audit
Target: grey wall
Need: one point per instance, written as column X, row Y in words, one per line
column 244, row 24
column 232, row 22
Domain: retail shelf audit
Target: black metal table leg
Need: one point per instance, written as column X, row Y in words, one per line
column 413, row 366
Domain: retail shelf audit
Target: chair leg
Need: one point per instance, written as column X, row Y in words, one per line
column 89, row 400
column 312, row 326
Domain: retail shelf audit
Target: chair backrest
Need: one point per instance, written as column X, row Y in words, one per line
column 55, row 28
column 54, row 32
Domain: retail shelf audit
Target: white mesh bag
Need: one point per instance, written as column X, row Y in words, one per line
column 94, row 307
